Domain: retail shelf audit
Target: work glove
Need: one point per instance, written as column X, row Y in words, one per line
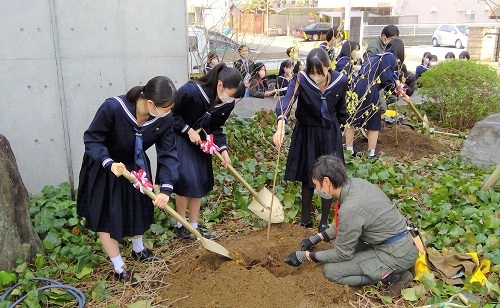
column 296, row 258
column 309, row 242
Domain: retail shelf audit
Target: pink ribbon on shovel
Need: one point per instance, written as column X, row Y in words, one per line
column 142, row 181
column 208, row 146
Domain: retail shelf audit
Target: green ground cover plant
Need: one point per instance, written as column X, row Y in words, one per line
column 441, row 194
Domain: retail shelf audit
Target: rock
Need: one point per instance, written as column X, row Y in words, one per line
column 482, row 146
column 18, row 238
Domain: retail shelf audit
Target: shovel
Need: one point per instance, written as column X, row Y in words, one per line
column 208, row 244
column 261, row 204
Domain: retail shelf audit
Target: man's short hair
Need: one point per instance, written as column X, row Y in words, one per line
column 332, row 167
column 390, row 31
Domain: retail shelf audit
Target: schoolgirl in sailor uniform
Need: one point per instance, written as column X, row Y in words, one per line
column 377, row 73
column 348, row 54
column 423, row 66
column 284, row 76
column 123, row 128
column 321, row 109
column 204, row 103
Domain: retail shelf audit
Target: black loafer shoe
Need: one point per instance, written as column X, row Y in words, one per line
column 145, row 255
column 183, row 234
column 205, row 233
column 397, row 286
column 124, row 277
column 306, row 225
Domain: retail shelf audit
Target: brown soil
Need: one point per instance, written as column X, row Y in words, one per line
column 402, row 141
column 257, row 275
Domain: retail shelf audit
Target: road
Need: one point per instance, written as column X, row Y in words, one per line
column 275, row 48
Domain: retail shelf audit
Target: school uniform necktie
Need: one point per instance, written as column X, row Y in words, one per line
column 325, row 114
column 139, row 155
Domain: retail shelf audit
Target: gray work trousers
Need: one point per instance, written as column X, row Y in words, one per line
column 374, row 262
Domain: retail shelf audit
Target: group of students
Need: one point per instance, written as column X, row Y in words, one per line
column 429, row 61
column 125, row 126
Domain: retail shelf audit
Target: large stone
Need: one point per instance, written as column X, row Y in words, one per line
column 482, row 146
column 18, row 238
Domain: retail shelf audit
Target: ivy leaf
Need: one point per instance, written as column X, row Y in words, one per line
column 85, row 271
column 409, row 294
column 6, row 278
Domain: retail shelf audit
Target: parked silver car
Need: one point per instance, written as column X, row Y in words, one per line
column 450, row 35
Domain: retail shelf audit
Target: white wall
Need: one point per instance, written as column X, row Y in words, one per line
column 60, row 60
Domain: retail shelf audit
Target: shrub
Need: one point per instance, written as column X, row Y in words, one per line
column 460, row 93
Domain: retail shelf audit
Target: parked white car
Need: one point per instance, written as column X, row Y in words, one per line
column 450, row 35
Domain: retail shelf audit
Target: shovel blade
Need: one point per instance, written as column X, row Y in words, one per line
column 214, row 247
column 266, row 197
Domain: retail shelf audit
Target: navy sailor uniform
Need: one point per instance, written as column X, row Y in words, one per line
column 367, row 88
column 193, row 111
column 111, row 204
column 344, row 65
column 319, row 116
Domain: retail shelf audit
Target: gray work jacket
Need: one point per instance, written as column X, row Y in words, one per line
column 366, row 214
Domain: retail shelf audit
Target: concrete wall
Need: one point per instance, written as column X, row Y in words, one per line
column 60, row 60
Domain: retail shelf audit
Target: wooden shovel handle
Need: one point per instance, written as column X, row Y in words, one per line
column 167, row 208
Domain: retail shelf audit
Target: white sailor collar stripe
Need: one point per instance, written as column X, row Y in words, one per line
column 129, row 114
column 316, row 86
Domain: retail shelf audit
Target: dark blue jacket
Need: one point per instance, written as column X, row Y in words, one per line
column 193, row 110
column 111, row 138
column 313, row 107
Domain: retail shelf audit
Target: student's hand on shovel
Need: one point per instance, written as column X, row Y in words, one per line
column 227, row 160
column 194, row 136
column 280, row 134
column 161, row 200
column 114, row 168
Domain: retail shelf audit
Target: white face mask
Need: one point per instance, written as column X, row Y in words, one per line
column 244, row 54
column 359, row 55
column 226, row 99
column 160, row 114
column 214, row 62
column 357, row 68
column 288, row 70
column 318, row 78
column 327, row 196
column 432, row 63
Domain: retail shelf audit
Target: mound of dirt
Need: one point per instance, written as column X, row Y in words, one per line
column 257, row 275
column 402, row 141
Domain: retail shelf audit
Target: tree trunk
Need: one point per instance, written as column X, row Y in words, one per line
column 18, row 238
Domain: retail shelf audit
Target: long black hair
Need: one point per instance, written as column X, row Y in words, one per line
column 254, row 70
column 283, row 65
column 347, row 48
column 230, row 78
column 160, row 89
column 316, row 59
column 397, row 48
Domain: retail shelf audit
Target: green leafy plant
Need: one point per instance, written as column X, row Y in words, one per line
column 459, row 93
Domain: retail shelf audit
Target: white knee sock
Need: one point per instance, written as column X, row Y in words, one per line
column 118, row 263
column 179, row 225
column 137, row 244
column 350, row 149
column 194, row 224
column 372, row 153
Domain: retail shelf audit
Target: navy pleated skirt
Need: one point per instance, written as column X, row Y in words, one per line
column 367, row 115
column 196, row 177
column 307, row 144
column 111, row 204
